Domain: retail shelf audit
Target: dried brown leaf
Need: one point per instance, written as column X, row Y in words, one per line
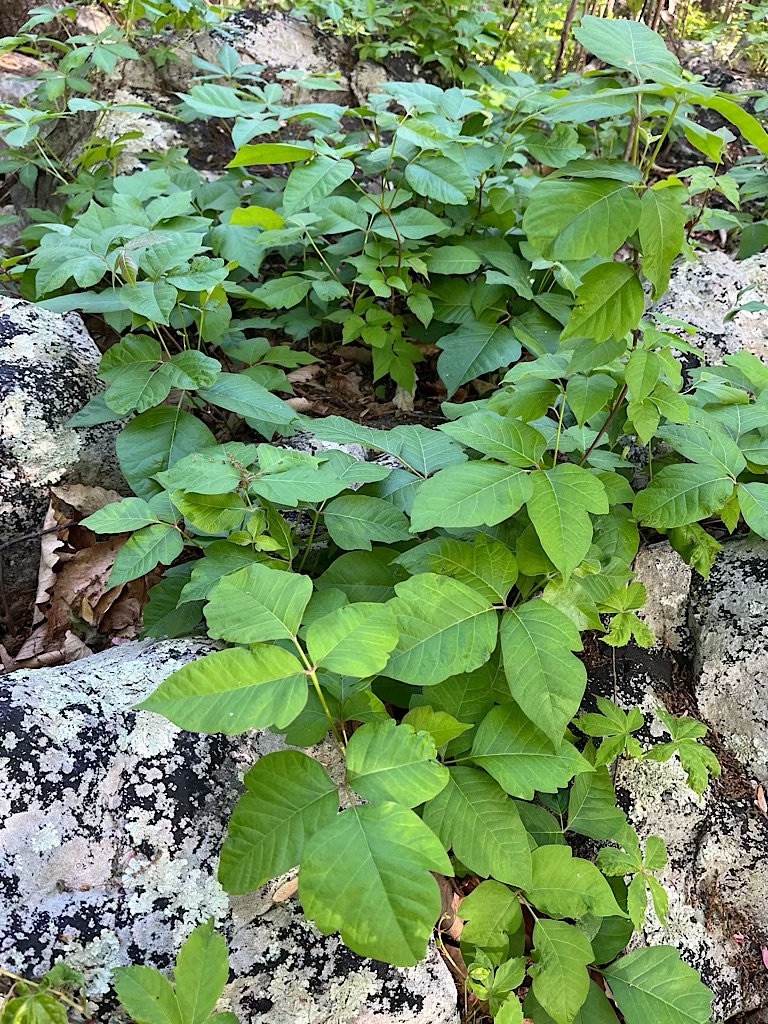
column 85, row 500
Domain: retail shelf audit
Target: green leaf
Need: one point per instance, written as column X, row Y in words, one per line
column 545, row 679
column 555, row 149
column 707, row 447
column 156, row 440
column 560, row 980
column 753, row 502
column 574, row 220
column 444, row 628
column 662, row 235
column 682, row 494
column 257, row 603
column 269, row 153
column 592, row 809
column 148, row 547
column 314, row 181
column 283, row 292
column 473, row 349
column 485, row 565
column 261, row 216
column 654, row 984
column 200, row 974
column 212, row 513
column 363, row 575
column 393, row 853
column 441, row 179
column 589, row 395
column 393, row 762
column 354, row 640
column 629, row 45
column 239, row 394
column 609, row 302
column 233, row 691
column 288, row 797
column 520, row 757
column 213, row 470
column 472, row 494
column 642, row 374
column 120, row 517
column 146, row 995
column 559, row 504
column 500, row 437
column 354, row 520
column 34, row 1007
column 566, row 886
column 474, row 817
column 491, row 912
column 596, row 1010
column 451, row 259
column 441, row 726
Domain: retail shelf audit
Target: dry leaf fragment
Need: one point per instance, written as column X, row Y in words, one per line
column 85, row 500
column 760, row 801
column 764, row 954
column 286, row 890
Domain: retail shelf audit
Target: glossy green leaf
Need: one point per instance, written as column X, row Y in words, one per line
column 682, row 494
column 146, row 995
column 355, row 520
column 573, row 220
column 444, row 628
column 257, row 603
column 312, row 182
column 269, row 153
column 566, row 886
column 475, row 818
column 144, row 549
column 386, row 907
column 520, row 757
column 354, row 640
column 559, row 504
column 393, row 762
column 609, row 302
column 545, row 679
column 500, row 437
column 662, row 235
column 156, row 440
column 655, row 984
column 288, row 797
column 485, row 565
column 473, row 349
column 200, row 974
column 232, row 691
column 560, row 979
column 753, row 503
column 472, row 494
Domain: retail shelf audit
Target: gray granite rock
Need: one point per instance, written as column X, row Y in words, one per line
column 703, row 292
column 717, row 877
column 48, row 366
column 110, row 826
column 729, row 621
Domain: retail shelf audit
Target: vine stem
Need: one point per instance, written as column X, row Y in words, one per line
column 608, row 421
column 312, row 673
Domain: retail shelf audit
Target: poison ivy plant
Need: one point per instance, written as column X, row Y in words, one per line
column 199, row 977
column 422, row 608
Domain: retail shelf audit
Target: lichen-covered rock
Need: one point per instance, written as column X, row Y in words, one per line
column 48, row 366
column 704, row 292
column 717, row 875
column 729, row 621
column 110, row 826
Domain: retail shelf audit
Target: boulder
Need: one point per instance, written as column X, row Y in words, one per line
column 717, row 875
column 728, row 618
column 704, row 292
column 111, row 825
column 48, row 366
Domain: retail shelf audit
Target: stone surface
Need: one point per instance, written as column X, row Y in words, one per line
column 110, row 825
column 717, row 878
column 703, row 292
column 729, row 622
column 48, row 366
